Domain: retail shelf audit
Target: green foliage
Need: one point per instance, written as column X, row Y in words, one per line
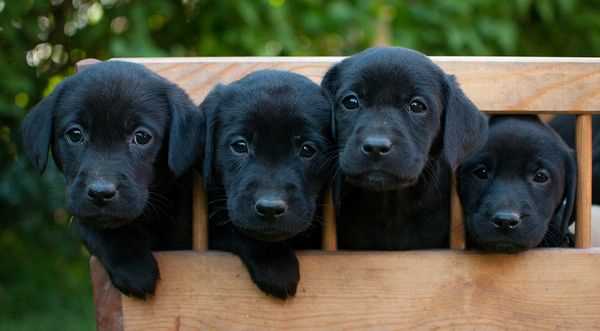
column 43, row 269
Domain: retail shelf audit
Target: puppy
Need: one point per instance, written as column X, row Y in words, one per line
column 565, row 126
column 266, row 163
column 518, row 191
column 402, row 125
column 121, row 135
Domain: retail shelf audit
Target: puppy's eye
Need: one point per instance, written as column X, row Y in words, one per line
column 307, row 150
column 481, row 172
column 74, row 136
column 417, row 106
column 350, row 102
column 541, row 176
column 240, row 146
column 141, row 137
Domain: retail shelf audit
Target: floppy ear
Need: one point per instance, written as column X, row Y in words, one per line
column 209, row 108
column 465, row 128
column 37, row 128
column 330, row 84
column 563, row 216
column 186, row 133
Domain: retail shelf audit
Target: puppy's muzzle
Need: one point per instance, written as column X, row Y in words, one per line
column 270, row 208
column 101, row 192
column 376, row 146
column 506, row 221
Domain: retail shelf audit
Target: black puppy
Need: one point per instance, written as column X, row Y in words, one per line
column 518, row 191
column 402, row 125
column 121, row 134
column 266, row 163
column 565, row 126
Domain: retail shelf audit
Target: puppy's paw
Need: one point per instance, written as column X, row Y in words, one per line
column 135, row 278
column 276, row 275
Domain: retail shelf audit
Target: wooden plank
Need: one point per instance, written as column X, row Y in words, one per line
column 107, row 299
column 200, row 217
column 583, row 142
column 329, row 226
column 550, row 289
column 457, row 227
column 495, row 84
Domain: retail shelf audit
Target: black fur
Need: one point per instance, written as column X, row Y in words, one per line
column 518, row 191
column 123, row 195
column 565, row 126
column 275, row 113
column 398, row 197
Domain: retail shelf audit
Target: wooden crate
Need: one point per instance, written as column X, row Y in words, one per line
column 437, row 289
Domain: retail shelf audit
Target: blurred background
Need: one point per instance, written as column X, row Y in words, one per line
column 44, row 278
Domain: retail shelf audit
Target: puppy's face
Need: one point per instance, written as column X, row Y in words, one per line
column 389, row 111
column 108, row 127
column 516, row 185
column 271, row 151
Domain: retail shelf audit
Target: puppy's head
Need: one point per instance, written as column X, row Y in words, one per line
column 115, row 130
column 518, row 191
column 395, row 110
column 270, row 134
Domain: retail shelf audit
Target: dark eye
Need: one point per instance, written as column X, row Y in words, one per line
column 307, row 150
column 541, row 176
column 141, row 137
column 74, row 136
column 481, row 172
column 350, row 102
column 417, row 106
column 240, row 146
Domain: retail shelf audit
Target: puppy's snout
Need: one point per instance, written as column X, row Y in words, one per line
column 374, row 146
column 506, row 220
column 101, row 192
column 270, row 207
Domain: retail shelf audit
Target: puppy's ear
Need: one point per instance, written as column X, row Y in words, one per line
column 465, row 128
column 37, row 128
column 563, row 216
column 330, row 84
column 186, row 133
column 209, row 108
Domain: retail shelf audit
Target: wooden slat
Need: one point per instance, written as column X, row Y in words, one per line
column 329, row 226
column 457, row 227
column 200, row 218
column 538, row 290
column 583, row 141
column 495, row 84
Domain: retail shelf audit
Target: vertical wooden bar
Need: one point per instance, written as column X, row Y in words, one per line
column 583, row 143
column 457, row 227
column 200, row 218
column 329, row 242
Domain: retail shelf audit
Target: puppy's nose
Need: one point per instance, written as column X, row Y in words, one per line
column 506, row 220
column 376, row 146
column 101, row 192
column 270, row 208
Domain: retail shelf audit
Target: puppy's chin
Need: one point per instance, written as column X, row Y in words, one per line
column 278, row 231
column 106, row 217
column 380, row 181
column 104, row 222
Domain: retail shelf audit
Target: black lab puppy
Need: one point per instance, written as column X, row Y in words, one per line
column 402, row 125
column 266, row 163
column 121, row 135
column 565, row 126
column 518, row 191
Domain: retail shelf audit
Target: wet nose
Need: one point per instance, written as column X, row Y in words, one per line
column 101, row 192
column 376, row 146
column 271, row 208
column 506, row 220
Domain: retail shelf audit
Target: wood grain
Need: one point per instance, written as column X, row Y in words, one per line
column 457, row 227
column 583, row 142
column 495, row 84
column 107, row 299
column 200, row 218
column 555, row 289
column 329, row 242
